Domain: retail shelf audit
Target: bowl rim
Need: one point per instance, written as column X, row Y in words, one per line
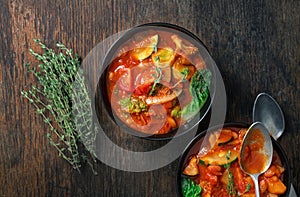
column 281, row 153
column 112, row 51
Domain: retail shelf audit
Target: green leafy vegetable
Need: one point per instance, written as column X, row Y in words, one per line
column 189, row 188
column 62, row 99
column 199, row 89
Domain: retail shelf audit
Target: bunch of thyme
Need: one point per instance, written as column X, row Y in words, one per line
column 61, row 97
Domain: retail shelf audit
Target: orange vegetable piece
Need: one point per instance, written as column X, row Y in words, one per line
column 275, row 185
column 192, row 168
column 225, row 136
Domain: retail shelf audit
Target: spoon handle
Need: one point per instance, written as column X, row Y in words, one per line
column 292, row 192
column 257, row 194
column 256, row 185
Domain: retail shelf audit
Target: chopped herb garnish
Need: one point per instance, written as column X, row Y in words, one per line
column 201, row 162
column 133, row 105
column 248, row 187
column 155, row 48
column 228, row 155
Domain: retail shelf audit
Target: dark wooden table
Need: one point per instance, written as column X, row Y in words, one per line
column 256, row 45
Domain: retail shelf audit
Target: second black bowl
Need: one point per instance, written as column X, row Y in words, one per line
column 194, row 146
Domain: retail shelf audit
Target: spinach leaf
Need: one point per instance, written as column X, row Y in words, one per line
column 189, row 188
column 199, row 89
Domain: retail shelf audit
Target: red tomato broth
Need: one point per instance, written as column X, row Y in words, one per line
column 254, row 159
column 129, row 77
column 213, row 178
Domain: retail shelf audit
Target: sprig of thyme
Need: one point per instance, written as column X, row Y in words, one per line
column 158, row 77
column 230, row 185
column 62, row 99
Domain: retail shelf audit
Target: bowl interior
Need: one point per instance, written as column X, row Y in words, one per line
column 112, row 52
column 195, row 144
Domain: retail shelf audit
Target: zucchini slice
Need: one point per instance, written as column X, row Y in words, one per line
column 220, row 157
column 145, row 48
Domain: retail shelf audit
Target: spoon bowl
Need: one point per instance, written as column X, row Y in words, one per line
column 267, row 111
column 256, row 152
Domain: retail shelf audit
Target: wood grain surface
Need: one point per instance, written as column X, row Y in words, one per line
column 256, row 45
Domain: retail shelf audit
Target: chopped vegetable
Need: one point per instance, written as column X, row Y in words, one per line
column 192, row 168
column 275, row 185
column 183, row 69
column 164, row 57
column 189, row 188
column 187, row 49
column 145, row 48
column 133, row 105
column 199, row 89
column 218, row 157
column 225, row 136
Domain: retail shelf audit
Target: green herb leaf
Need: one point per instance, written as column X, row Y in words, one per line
column 248, row 187
column 157, row 80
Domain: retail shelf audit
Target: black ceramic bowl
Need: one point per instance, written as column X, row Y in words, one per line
column 194, row 146
column 113, row 53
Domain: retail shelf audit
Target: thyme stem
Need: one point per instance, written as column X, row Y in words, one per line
column 62, row 99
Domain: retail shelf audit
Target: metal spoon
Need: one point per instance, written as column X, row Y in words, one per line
column 267, row 111
column 256, row 143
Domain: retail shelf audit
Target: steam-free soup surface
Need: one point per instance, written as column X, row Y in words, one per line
column 157, row 81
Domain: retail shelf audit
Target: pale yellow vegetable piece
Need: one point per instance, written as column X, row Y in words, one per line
column 164, row 57
column 220, row 157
